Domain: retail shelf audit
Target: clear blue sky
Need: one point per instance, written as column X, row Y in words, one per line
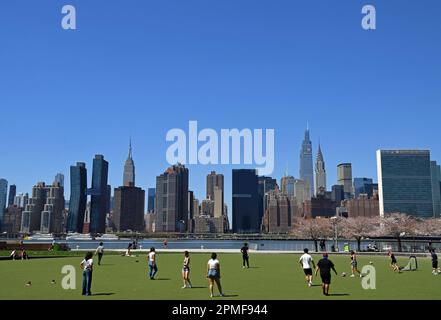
column 140, row 68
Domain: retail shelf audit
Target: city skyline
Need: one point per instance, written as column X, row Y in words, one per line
column 274, row 65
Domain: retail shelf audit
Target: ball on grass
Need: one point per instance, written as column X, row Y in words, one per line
column 343, row 274
column 371, row 263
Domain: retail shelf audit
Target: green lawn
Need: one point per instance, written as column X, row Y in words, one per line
column 273, row 276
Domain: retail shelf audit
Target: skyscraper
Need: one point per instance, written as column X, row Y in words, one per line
column 52, row 214
column 405, row 182
column 214, row 181
column 151, row 200
column 128, row 213
column 21, row 200
column 171, row 200
column 287, row 185
column 100, row 201
column 344, row 176
column 129, row 170
column 320, row 172
column 12, row 194
column 246, row 201
column 265, row 185
column 31, row 216
column 59, row 178
column 3, row 195
column 280, row 211
column 363, row 186
column 78, row 197
column 306, row 167
column 436, row 188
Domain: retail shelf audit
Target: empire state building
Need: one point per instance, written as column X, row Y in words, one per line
column 129, row 170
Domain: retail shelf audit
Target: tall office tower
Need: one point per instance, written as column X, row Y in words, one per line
column 215, row 180
column 207, row 208
column 436, row 188
column 280, row 211
column 21, row 200
column 266, row 184
column 344, row 176
column 3, row 195
column 12, row 194
column 31, row 216
column 129, row 170
column 363, row 186
column 191, row 212
column 151, row 200
column 78, row 198
column 287, row 185
column 218, row 202
column 337, row 194
column 320, row 172
column 302, row 191
column 59, row 178
column 52, row 215
column 405, row 182
column 171, row 200
column 306, row 168
column 246, row 201
column 100, row 201
column 128, row 213
column 12, row 219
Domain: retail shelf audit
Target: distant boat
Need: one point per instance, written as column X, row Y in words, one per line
column 107, row 237
column 79, row 237
column 41, row 237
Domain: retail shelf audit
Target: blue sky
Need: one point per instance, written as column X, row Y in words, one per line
column 140, row 68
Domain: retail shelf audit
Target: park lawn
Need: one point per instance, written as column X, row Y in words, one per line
column 272, row 277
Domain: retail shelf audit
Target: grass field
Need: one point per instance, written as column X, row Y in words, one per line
column 272, row 276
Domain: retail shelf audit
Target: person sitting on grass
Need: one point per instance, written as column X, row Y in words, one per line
column 13, row 254
column 23, row 254
column 325, row 266
column 393, row 262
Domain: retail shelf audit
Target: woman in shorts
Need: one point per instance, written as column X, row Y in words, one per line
column 186, row 271
column 214, row 274
column 354, row 265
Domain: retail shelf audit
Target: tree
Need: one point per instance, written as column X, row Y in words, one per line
column 313, row 229
column 398, row 225
column 359, row 228
column 429, row 227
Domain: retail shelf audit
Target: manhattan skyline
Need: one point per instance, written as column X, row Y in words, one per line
column 138, row 70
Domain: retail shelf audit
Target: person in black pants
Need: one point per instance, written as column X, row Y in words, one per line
column 325, row 266
column 245, row 256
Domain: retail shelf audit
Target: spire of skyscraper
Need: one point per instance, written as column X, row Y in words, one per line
column 320, row 172
column 129, row 169
column 306, row 166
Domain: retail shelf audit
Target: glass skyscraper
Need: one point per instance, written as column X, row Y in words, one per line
column 404, row 182
column 12, row 194
column 99, row 192
column 78, row 197
column 306, row 167
column 151, row 200
column 363, row 185
column 246, row 201
column 436, row 188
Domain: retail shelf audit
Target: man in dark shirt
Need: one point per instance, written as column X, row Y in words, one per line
column 245, row 257
column 325, row 266
column 435, row 269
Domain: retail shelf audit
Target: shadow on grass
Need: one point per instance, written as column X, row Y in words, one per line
column 161, row 279
column 103, row 294
column 339, row 294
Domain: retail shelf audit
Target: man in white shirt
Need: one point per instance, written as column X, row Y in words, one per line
column 308, row 265
column 100, row 251
column 152, row 264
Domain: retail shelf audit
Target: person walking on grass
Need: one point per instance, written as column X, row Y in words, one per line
column 245, row 256
column 214, row 275
column 186, row 271
column 100, row 252
column 307, row 264
column 435, row 269
column 325, row 266
column 354, row 265
column 393, row 262
column 87, row 266
column 152, row 264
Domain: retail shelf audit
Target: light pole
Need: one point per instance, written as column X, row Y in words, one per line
column 334, row 223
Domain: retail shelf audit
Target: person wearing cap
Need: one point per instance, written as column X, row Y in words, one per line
column 325, row 266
